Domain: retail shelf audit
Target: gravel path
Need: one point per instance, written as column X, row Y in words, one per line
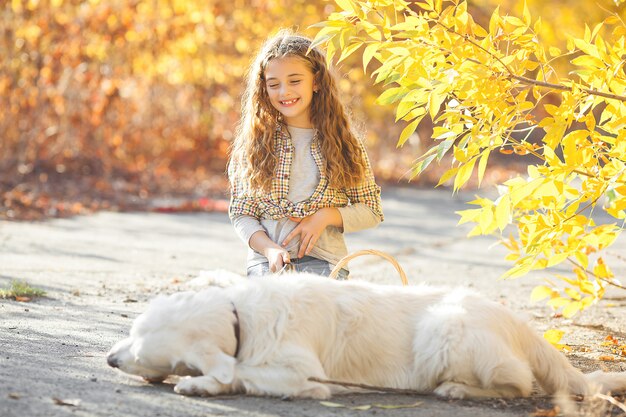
column 99, row 272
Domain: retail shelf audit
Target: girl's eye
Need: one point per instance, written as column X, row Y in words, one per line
column 296, row 82
column 272, row 85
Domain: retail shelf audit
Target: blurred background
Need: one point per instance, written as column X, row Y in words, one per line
column 132, row 104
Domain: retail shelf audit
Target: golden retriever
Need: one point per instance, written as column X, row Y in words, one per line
column 269, row 336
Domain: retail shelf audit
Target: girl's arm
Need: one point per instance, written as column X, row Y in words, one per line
column 276, row 255
column 367, row 194
column 358, row 216
column 311, row 228
column 245, row 226
column 250, row 230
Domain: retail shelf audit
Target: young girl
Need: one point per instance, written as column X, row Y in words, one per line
column 299, row 177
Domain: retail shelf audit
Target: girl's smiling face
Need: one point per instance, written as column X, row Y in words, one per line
column 290, row 84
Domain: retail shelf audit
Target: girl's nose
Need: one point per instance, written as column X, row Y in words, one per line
column 284, row 90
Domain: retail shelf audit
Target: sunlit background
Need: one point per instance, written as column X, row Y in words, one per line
column 115, row 103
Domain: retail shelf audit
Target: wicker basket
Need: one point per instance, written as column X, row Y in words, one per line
column 344, row 261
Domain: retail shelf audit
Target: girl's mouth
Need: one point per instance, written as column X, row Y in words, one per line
column 289, row 102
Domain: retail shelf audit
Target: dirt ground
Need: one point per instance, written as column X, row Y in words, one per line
column 99, row 272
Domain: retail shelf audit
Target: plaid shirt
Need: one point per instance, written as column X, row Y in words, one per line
column 275, row 205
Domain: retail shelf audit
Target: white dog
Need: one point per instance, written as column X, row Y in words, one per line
column 269, row 336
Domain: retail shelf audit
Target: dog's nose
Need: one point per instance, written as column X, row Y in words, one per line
column 112, row 361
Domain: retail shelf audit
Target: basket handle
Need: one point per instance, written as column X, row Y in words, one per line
column 344, row 261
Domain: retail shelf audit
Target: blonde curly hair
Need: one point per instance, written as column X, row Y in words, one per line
column 253, row 158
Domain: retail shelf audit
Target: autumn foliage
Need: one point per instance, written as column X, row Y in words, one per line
column 112, row 102
column 493, row 89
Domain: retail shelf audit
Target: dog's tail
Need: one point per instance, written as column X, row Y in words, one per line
column 556, row 375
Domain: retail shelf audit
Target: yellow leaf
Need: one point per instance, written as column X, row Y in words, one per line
column 371, row 30
column 512, row 257
column 537, row 26
column 526, row 14
column 478, row 30
column 408, row 131
column 482, row 165
column 465, row 171
column 573, row 294
column 394, row 407
column 368, row 54
column 557, row 302
column 434, row 103
column 540, row 292
column 346, row 5
column 554, row 51
column 324, row 35
column 503, row 212
column 399, row 51
column 447, row 175
column 602, row 270
column 619, row 31
column 557, row 259
column 486, row 221
column 470, row 215
column 391, row 95
column 553, row 336
column 571, row 309
column 407, row 107
column 331, row 404
column 595, row 31
column 587, row 301
column 582, row 259
column 494, row 22
column 588, row 61
column 349, row 50
column 420, row 166
column 522, row 189
column 521, row 268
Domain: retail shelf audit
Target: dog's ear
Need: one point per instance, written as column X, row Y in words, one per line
column 218, row 365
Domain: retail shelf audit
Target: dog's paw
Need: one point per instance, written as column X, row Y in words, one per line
column 197, row 386
column 317, row 392
column 451, row 390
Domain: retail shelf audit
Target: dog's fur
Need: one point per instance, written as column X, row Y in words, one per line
column 451, row 342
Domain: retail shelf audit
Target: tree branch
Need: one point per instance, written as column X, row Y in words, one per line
column 589, row 91
column 595, row 276
column 368, row 387
column 406, row 391
column 527, row 80
column 612, row 400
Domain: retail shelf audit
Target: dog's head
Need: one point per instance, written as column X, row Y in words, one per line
column 182, row 334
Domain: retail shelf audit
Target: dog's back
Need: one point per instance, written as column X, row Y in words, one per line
column 413, row 337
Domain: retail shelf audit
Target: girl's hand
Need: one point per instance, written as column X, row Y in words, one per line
column 277, row 258
column 311, row 227
column 276, row 255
